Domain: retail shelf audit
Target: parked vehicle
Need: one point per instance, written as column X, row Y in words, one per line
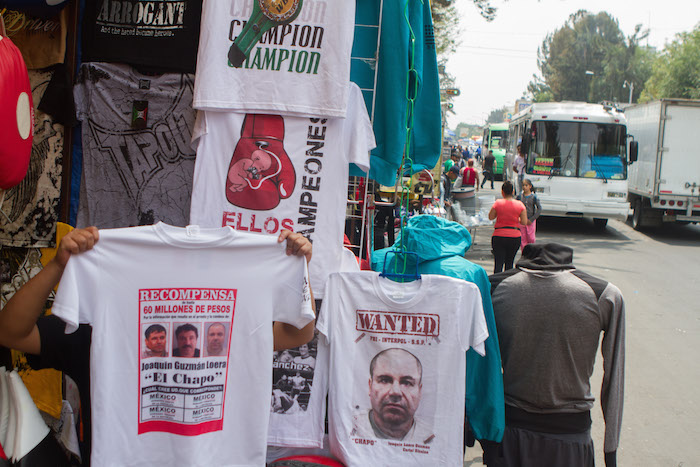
column 496, row 139
column 576, row 158
column 664, row 185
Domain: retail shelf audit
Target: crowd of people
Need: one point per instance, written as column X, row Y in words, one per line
column 515, row 214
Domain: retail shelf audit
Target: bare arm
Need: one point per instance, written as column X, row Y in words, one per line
column 492, row 213
column 18, row 318
column 285, row 335
column 523, row 217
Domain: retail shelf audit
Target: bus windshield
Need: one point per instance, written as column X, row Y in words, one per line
column 498, row 139
column 577, row 149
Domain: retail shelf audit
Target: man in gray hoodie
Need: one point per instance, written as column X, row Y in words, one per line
column 549, row 317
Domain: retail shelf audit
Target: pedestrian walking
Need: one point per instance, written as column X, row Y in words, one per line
column 509, row 214
column 534, row 209
column 490, row 166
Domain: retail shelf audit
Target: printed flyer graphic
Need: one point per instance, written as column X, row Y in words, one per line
column 395, row 380
column 184, row 341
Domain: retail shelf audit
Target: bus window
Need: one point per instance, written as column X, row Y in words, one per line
column 572, row 149
column 603, row 151
column 555, row 149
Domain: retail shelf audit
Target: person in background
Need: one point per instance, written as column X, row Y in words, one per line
column 509, row 213
column 469, row 179
column 490, row 165
column 448, row 176
column 534, row 209
column 470, row 176
column 456, row 157
column 519, row 168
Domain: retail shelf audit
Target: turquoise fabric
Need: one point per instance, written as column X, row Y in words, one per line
column 390, row 110
column 440, row 245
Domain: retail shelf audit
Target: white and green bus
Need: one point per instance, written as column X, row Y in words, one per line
column 496, row 139
column 576, row 158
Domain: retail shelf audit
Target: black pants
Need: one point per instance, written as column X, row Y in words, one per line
column 489, row 174
column 504, row 250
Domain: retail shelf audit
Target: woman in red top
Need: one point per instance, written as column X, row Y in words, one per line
column 509, row 213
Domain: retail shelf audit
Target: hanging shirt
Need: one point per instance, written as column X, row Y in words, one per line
column 298, row 420
column 441, row 246
column 265, row 173
column 179, row 282
column 137, row 156
column 397, row 366
column 299, row 68
column 391, row 107
column 42, row 41
column 160, row 36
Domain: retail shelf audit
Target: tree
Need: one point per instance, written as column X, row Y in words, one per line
column 469, row 129
column 676, row 73
column 589, row 59
column 497, row 115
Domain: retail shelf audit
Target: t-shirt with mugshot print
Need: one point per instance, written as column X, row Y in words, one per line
column 397, row 367
column 184, row 406
column 264, row 173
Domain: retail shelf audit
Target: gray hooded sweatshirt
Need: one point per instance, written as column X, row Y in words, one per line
column 549, row 317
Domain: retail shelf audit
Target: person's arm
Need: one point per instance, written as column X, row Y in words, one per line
column 538, row 209
column 19, row 316
column 523, row 216
column 492, row 213
column 285, row 335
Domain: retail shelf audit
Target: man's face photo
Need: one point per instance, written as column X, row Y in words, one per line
column 156, row 341
column 186, row 343
column 304, row 350
column 216, row 336
column 395, row 389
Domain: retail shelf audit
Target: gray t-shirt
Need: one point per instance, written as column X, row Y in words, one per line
column 138, row 160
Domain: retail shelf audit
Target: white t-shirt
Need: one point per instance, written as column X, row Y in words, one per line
column 301, row 68
column 265, row 173
column 411, row 411
column 186, row 409
column 304, row 427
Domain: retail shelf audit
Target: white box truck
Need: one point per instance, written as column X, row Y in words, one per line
column 664, row 183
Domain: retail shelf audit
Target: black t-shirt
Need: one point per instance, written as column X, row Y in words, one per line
column 154, row 36
column 488, row 162
column 69, row 353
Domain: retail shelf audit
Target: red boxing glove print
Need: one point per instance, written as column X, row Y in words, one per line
column 260, row 174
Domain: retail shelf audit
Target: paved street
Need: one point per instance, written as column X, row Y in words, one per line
column 659, row 275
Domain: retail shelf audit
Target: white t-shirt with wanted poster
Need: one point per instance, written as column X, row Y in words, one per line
column 163, row 290
column 264, row 173
column 300, row 68
column 397, row 367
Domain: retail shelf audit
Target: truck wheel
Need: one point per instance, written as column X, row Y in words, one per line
column 637, row 214
column 600, row 223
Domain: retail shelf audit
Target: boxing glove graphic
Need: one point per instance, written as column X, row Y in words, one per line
column 260, row 174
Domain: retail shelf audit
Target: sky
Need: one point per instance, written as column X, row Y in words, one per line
column 496, row 60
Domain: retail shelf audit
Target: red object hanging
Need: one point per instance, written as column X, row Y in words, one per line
column 16, row 115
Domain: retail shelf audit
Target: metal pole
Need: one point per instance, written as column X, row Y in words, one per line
column 631, row 92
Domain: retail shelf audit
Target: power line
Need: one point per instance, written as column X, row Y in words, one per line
column 498, row 48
